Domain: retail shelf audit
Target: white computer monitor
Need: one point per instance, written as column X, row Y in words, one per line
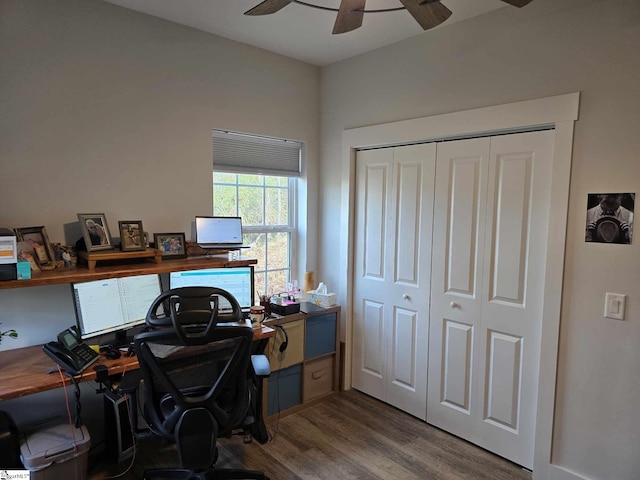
column 238, row 281
column 114, row 305
column 219, row 232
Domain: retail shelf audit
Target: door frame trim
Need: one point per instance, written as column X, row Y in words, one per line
column 559, row 112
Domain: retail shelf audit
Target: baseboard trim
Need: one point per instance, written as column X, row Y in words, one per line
column 561, row 473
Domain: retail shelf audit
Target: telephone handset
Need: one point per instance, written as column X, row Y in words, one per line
column 70, row 352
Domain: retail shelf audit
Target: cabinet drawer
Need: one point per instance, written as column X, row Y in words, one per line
column 318, row 378
column 294, row 352
column 321, row 335
column 284, row 389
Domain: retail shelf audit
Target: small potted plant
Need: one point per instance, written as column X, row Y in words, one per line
column 8, row 333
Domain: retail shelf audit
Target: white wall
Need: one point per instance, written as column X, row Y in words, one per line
column 550, row 47
column 107, row 110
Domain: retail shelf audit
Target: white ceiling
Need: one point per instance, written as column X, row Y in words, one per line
column 301, row 32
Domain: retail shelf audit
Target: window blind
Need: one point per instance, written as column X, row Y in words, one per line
column 243, row 153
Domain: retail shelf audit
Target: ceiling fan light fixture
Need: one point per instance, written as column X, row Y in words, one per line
column 350, row 14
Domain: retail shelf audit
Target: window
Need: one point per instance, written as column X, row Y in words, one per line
column 265, row 205
column 254, row 178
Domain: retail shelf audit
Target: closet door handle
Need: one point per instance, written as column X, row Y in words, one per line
column 455, row 305
column 406, row 297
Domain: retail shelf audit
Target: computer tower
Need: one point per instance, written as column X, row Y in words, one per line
column 117, row 427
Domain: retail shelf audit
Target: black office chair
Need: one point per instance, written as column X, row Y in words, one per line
column 198, row 380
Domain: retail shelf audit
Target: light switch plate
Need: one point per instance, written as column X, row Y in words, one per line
column 614, row 305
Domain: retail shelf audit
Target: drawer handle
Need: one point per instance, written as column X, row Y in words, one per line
column 318, row 374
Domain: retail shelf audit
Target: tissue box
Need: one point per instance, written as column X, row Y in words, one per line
column 24, row 270
column 321, row 299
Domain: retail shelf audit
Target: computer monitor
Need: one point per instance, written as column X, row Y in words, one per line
column 114, row 305
column 219, row 232
column 238, row 281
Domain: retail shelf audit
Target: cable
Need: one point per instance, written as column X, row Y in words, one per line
column 281, row 348
column 285, row 343
column 72, row 430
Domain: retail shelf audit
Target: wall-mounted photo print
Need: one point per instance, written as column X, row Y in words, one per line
column 610, row 217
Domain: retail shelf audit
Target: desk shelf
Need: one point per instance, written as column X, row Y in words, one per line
column 92, row 258
column 125, row 269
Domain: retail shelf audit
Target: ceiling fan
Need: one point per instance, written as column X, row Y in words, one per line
column 428, row 13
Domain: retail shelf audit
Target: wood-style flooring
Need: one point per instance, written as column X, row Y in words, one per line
column 348, row 435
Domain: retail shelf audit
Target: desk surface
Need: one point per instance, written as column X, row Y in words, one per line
column 23, row 371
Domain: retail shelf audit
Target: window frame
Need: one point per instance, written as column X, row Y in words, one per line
column 291, row 228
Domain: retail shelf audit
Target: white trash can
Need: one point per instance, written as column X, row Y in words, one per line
column 54, row 450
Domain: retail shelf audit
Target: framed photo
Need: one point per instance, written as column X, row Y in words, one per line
column 610, row 217
column 35, row 241
column 131, row 235
column 95, row 231
column 172, row 245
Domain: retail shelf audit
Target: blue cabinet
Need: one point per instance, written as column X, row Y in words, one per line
column 284, row 389
column 320, row 335
column 308, row 368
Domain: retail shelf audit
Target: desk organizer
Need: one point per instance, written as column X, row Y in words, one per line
column 287, row 308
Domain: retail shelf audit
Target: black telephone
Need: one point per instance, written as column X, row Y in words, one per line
column 70, row 352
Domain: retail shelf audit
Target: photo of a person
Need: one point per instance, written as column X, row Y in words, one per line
column 38, row 244
column 172, row 245
column 610, row 218
column 96, row 232
column 131, row 235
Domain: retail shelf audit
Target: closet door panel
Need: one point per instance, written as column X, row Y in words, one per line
column 513, row 286
column 510, row 229
column 457, row 362
column 458, row 246
column 373, row 175
column 404, row 349
column 504, row 363
column 394, row 207
column 408, row 196
column 461, row 238
column 414, row 175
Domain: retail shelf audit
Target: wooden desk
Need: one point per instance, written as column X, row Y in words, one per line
column 23, row 371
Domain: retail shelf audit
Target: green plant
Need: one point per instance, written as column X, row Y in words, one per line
column 8, row 333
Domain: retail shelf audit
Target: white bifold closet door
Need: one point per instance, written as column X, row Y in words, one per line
column 489, row 250
column 394, row 208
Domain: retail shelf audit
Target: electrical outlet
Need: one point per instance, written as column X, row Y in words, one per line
column 614, row 305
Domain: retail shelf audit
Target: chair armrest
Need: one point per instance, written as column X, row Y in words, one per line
column 261, row 365
column 130, row 382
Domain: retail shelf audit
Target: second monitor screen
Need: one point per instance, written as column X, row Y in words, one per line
column 238, row 281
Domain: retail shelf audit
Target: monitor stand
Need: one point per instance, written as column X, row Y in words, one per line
column 122, row 340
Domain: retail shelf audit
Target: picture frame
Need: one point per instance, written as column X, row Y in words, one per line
column 95, row 231
column 172, row 245
column 131, row 235
column 35, row 241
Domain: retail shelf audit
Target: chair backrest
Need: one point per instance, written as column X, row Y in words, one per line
column 194, row 372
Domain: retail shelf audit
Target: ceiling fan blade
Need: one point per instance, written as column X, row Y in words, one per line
column 517, row 3
column 428, row 15
column 349, row 16
column 267, row 7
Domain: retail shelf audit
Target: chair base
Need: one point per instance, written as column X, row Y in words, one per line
column 210, row 474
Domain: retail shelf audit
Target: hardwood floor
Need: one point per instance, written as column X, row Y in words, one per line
column 346, row 436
